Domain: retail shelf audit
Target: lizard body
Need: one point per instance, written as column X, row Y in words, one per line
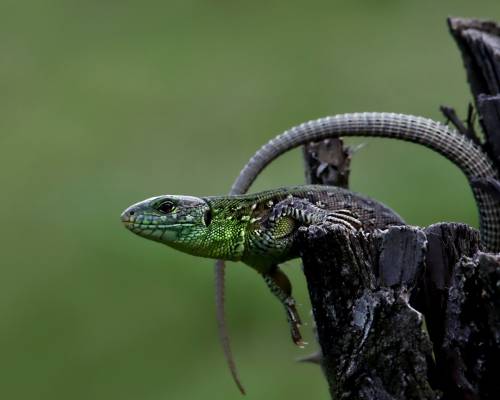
column 258, row 229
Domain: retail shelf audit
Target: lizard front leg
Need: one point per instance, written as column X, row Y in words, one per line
column 281, row 224
column 281, row 287
column 306, row 213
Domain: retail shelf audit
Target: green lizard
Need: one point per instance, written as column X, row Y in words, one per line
column 239, row 227
column 258, row 229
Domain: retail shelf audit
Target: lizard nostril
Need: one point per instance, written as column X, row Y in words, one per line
column 131, row 213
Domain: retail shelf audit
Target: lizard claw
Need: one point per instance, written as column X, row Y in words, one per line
column 345, row 218
column 295, row 323
column 297, row 337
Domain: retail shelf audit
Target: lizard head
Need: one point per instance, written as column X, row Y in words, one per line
column 178, row 221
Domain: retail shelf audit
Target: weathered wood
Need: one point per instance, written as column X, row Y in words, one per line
column 470, row 353
column 479, row 44
column 373, row 342
column 466, row 128
column 446, row 244
column 370, row 295
column 327, row 163
column 488, row 107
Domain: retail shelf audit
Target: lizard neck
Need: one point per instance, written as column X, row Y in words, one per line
column 226, row 234
column 237, row 231
column 243, row 219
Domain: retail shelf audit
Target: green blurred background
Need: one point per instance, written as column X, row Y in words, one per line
column 104, row 103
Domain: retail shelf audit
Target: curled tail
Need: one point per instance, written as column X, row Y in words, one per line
column 457, row 148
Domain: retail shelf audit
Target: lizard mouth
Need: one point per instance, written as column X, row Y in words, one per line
column 138, row 225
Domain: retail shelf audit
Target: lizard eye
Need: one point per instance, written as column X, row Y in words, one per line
column 166, row 207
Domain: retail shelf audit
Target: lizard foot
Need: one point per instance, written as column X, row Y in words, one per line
column 294, row 322
column 280, row 286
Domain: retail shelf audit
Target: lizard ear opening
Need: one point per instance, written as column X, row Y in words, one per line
column 207, row 217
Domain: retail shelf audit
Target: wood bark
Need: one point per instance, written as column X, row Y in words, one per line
column 479, row 44
column 327, row 162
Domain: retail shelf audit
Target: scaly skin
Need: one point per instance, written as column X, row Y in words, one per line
column 258, row 229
